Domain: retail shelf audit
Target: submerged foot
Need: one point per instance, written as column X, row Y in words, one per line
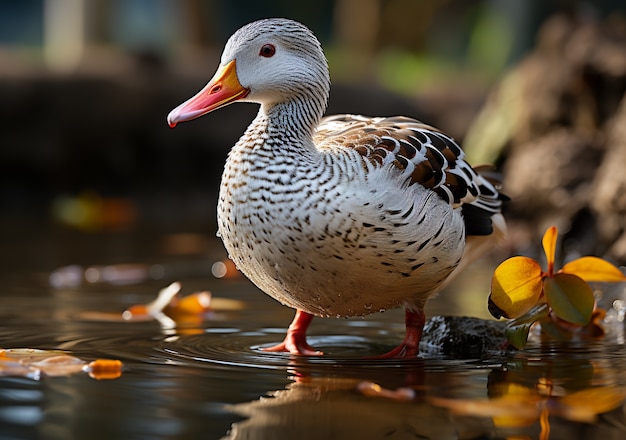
column 409, row 348
column 402, row 351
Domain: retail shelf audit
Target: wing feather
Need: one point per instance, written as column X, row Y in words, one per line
column 429, row 157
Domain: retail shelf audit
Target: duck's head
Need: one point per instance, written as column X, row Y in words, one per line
column 271, row 62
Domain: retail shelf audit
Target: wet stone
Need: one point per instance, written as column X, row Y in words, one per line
column 463, row 337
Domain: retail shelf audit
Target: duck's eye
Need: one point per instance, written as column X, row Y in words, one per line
column 267, row 51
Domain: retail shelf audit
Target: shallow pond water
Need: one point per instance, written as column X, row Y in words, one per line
column 209, row 378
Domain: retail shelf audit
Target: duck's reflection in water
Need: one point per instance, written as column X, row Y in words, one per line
column 522, row 399
column 326, row 408
column 330, row 402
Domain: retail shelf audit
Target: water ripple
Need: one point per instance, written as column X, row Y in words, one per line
column 346, row 355
column 228, row 347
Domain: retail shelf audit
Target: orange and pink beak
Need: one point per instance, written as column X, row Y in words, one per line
column 223, row 89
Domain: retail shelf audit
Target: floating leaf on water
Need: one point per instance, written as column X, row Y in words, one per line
column 169, row 304
column 29, row 355
column 164, row 297
column 516, row 286
column 104, row 369
column 194, row 304
column 32, row 363
column 14, row 367
column 594, row 269
column 570, row 298
column 138, row 312
column 63, row 365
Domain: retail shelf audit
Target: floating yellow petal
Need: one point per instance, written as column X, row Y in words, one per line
column 516, row 286
column 549, row 246
column 594, row 269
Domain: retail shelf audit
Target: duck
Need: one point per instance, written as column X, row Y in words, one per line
column 343, row 215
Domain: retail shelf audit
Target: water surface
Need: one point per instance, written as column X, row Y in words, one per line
column 210, row 378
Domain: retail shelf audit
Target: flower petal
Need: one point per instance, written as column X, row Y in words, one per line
column 549, row 246
column 570, row 298
column 516, row 286
column 594, row 269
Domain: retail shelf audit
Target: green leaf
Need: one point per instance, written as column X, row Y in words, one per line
column 570, row 298
column 517, row 330
column 516, row 286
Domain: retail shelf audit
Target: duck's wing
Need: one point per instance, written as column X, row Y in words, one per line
column 429, row 157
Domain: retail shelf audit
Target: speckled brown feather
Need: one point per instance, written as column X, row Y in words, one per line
column 429, row 157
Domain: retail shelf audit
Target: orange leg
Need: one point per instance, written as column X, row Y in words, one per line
column 409, row 348
column 295, row 341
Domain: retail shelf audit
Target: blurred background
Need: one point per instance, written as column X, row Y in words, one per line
column 85, row 86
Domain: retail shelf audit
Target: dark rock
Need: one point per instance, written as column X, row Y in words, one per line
column 464, row 337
